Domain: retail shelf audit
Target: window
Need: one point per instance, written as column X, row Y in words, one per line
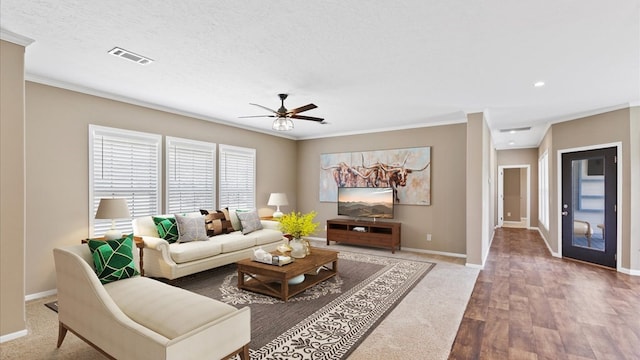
column 123, row 164
column 191, row 167
column 543, row 190
column 237, row 177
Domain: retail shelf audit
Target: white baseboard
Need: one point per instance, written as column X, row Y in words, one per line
column 474, row 266
column 629, row 271
column 514, row 224
column 423, row 251
column 554, row 254
column 13, row 336
column 40, row 295
column 433, row 252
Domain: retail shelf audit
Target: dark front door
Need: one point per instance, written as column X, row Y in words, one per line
column 589, row 190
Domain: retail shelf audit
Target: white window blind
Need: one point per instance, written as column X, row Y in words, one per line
column 237, row 177
column 123, row 164
column 191, row 167
column 543, row 190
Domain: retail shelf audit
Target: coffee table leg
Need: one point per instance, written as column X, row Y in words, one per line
column 240, row 279
column 284, row 292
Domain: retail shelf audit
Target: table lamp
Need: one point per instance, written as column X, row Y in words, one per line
column 277, row 199
column 113, row 209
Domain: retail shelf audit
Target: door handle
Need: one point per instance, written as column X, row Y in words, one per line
column 565, row 213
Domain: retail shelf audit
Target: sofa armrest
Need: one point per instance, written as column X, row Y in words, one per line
column 270, row 224
column 159, row 245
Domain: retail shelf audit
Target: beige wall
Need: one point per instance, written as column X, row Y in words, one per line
column 594, row 130
column 12, row 189
column 480, row 187
column 511, row 194
column 634, row 185
column 444, row 218
column 57, row 164
column 517, row 157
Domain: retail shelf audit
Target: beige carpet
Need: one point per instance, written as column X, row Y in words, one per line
column 422, row 326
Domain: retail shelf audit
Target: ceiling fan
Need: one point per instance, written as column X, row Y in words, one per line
column 283, row 116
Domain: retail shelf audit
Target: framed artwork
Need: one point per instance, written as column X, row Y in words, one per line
column 407, row 171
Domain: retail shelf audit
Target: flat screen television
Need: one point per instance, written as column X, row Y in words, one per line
column 366, row 202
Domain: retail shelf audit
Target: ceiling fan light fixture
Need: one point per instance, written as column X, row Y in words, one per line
column 282, row 124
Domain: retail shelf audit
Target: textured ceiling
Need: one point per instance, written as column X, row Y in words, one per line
column 368, row 66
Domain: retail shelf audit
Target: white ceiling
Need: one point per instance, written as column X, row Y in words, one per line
column 367, row 65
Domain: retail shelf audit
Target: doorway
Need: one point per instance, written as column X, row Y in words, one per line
column 514, row 199
column 589, row 206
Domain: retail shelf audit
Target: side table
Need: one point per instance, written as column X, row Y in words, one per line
column 139, row 244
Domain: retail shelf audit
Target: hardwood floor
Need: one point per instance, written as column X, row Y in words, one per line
column 527, row 304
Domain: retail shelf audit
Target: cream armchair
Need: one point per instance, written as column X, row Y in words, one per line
column 141, row 318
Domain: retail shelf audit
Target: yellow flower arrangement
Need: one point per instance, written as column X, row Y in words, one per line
column 298, row 225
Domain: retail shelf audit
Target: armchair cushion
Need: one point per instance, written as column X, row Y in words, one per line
column 113, row 259
column 167, row 310
column 167, row 228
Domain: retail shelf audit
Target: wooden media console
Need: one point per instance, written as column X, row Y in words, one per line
column 368, row 233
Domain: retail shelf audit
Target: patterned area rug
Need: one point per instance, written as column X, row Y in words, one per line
column 327, row 321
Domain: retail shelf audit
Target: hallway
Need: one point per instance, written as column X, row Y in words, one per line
column 527, row 304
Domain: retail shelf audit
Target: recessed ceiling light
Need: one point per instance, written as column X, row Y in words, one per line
column 512, row 142
column 539, row 84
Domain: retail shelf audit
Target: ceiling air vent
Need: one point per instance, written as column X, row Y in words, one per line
column 116, row 51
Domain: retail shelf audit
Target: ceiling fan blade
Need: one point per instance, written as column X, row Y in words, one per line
column 301, row 109
column 256, row 116
column 302, row 117
column 264, row 107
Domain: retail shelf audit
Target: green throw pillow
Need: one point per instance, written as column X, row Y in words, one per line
column 167, row 228
column 113, row 259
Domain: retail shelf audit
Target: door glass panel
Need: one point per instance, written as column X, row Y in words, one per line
column 587, row 176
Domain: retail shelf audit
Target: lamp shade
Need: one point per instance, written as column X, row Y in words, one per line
column 278, row 199
column 113, row 209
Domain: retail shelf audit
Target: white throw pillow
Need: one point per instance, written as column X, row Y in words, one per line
column 191, row 228
column 250, row 221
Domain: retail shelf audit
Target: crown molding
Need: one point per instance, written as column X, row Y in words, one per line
column 457, row 117
column 12, row 37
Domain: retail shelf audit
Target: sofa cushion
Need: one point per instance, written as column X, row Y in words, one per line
column 217, row 222
column 250, row 221
column 195, row 250
column 113, row 259
column 234, row 241
column 191, row 228
column 167, row 228
column 165, row 309
column 266, row 236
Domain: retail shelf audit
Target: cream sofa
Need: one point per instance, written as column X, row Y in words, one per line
column 171, row 261
column 140, row 318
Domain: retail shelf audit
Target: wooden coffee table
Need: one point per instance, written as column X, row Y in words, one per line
column 273, row 280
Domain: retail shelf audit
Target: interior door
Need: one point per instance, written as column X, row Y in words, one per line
column 589, row 191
